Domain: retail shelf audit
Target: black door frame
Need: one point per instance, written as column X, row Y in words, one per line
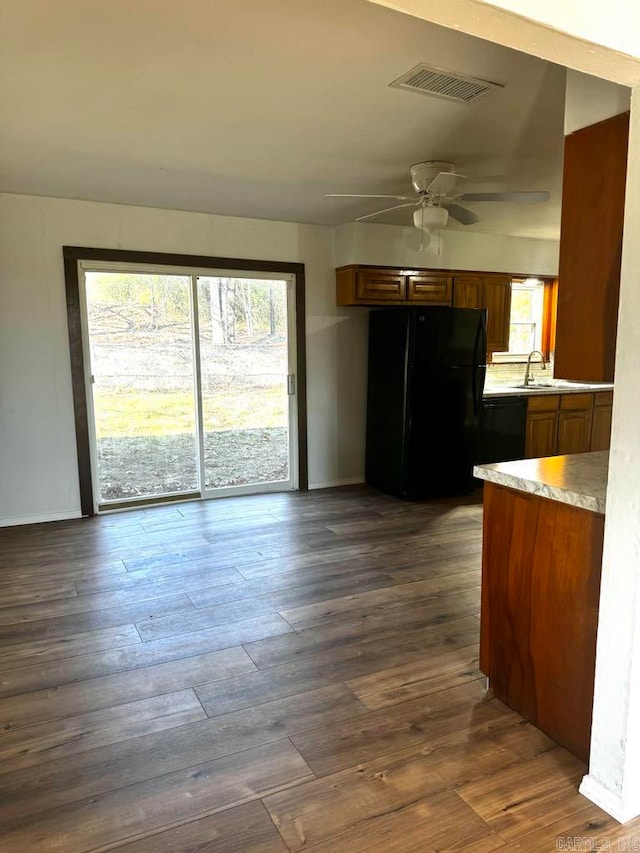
column 73, row 254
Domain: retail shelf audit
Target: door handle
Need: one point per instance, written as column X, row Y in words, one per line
column 291, row 384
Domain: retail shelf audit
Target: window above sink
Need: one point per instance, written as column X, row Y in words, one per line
column 532, row 321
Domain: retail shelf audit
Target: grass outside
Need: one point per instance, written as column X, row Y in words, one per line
column 139, row 413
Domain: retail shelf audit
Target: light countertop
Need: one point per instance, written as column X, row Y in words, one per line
column 555, row 387
column 579, row 479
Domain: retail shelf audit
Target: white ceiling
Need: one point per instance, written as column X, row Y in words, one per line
column 254, row 108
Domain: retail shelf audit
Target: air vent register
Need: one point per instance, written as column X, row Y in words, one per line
column 428, row 80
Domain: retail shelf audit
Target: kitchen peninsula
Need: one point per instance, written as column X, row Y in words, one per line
column 541, row 563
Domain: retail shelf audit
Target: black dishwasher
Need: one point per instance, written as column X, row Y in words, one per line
column 502, row 429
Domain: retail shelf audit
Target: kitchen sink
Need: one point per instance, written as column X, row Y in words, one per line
column 536, row 385
column 565, row 383
column 557, row 383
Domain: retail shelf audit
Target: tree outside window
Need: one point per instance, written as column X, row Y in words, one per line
column 527, row 312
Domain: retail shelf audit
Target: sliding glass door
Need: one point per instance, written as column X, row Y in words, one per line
column 191, row 382
column 245, row 375
column 142, row 384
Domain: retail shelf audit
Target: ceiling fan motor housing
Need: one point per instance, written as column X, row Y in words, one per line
column 422, row 174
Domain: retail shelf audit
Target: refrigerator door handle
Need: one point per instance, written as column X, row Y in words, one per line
column 479, row 368
column 480, row 344
column 479, row 373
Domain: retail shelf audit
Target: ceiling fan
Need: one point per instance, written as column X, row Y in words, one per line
column 434, row 182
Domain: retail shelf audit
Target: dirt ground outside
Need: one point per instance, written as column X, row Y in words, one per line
column 152, row 465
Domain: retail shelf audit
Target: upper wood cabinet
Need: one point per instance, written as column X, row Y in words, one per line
column 363, row 285
column 379, row 286
column 595, row 164
column 497, row 301
column 492, row 292
column 430, row 288
column 359, row 285
column 468, row 291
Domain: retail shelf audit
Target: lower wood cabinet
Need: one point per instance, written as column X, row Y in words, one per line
column 574, row 432
column 559, row 424
column 601, row 422
column 540, row 596
column 574, row 423
column 542, row 434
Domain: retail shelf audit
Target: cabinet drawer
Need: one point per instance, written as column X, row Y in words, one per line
column 544, row 403
column 379, row 286
column 433, row 289
column 603, row 398
column 579, row 402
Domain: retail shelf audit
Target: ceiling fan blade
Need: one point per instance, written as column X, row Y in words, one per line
column 443, row 183
column 360, row 195
column 461, row 214
column 386, row 210
column 520, row 197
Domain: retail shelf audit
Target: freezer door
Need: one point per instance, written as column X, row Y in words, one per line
column 454, row 336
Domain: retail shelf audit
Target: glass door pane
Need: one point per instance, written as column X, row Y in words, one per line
column 140, row 339
column 244, row 356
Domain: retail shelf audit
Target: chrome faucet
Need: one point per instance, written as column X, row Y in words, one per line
column 527, row 378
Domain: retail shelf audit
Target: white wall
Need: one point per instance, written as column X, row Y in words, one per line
column 614, row 768
column 37, row 437
column 393, row 245
column 589, row 100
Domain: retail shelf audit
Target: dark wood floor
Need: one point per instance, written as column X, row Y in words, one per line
column 274, row 673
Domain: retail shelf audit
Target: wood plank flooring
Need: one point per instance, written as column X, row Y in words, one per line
column 263, row 675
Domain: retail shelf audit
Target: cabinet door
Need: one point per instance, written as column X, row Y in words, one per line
column 467, row 292
column 574, row 431
column 375, row 286
column 497, row 301
column 542, row 434
column 593, row 194
column 601, row 428
column 432, row 289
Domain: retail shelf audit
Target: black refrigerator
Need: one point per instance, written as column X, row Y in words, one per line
column 427, row 369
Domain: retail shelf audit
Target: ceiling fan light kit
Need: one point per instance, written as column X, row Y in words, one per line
column 430, row 217
column 434, row 201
